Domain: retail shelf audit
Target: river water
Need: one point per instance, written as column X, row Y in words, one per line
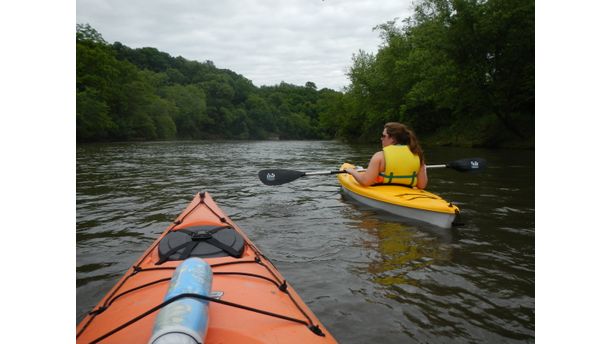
column 370, row 277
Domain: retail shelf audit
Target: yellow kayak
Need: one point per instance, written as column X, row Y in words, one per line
column 400, row 200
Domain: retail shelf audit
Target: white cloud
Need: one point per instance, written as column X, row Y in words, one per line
column 267, row 41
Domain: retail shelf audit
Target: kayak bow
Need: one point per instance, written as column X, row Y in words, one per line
column 204, row 280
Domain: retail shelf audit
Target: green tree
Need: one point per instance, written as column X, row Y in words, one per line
column 84, row 32
column 92, row 120
column 191, row 116
column 456, row 66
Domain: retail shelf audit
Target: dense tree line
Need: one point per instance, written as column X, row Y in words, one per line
column 458, row 71
column 145, row 94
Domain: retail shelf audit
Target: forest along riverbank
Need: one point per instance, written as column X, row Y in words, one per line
column 468, row 82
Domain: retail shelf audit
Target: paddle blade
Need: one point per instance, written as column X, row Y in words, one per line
column 278, row 177
column 471, row 164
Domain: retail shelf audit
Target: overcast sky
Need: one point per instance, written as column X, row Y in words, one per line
column 267, row 41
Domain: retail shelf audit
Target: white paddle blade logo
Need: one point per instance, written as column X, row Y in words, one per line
column 270, row 177
column 474, row 164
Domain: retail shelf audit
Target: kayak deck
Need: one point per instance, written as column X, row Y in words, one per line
column 401, row 200
column 270, row 309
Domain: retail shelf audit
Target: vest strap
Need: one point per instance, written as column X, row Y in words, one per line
column 391, row 177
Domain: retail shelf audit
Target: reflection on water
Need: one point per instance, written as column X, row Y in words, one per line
column 403, row 250
column 369, row 276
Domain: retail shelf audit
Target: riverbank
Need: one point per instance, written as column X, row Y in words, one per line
column 433, row 141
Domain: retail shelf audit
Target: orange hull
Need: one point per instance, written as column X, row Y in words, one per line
column 250, row 280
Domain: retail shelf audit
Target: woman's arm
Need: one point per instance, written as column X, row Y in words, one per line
column 422, row 177
column 368, row 177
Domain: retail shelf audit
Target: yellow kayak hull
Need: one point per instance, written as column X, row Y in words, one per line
column 400, row 200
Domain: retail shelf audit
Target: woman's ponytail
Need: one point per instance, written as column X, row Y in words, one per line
column 414, row 145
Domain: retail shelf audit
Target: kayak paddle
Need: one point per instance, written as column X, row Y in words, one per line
column 282, row 176
column 464, row 165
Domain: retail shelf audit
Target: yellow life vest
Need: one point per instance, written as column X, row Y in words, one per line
column 401, row 166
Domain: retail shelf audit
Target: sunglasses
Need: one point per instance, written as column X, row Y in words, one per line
column 383, row 136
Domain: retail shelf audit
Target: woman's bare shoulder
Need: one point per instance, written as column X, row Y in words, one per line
column 378, row 160
column 378, row 155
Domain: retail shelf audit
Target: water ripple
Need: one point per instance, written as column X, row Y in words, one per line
column 369, row 276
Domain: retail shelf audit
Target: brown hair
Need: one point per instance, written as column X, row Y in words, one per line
column 405, row 136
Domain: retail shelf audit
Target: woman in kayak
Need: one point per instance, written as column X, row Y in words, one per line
column 400, row 162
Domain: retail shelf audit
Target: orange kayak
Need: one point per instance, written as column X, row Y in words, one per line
column 205, row 281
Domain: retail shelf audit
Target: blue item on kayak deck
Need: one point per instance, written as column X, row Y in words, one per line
column 185, row 320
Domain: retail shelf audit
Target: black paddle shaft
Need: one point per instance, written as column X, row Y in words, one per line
column 281, row 176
